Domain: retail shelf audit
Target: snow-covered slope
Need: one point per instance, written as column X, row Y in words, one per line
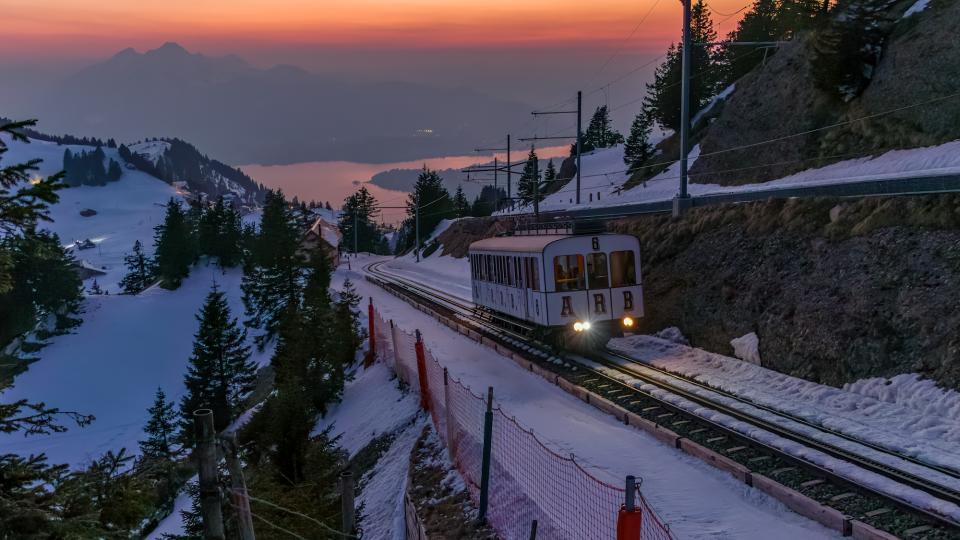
column 604, row 175
column 127, row 346
column 127, row 210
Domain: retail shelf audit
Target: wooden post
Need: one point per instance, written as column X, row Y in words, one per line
column 346, row 501
column 238, row 488
column 533, row 530
column 206, row 453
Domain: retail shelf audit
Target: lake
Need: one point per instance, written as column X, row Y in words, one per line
column 334, row 181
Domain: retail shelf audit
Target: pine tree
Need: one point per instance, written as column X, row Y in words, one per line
column 759, row 24
column 230, row 239
column 95, row 288
column 358, row 211
column 347, row 324
column 663, row 94
column 139, row 274
column 114, row 172
column 272, row 275
column 435, row 204
column 599, row 133
column 173, row 246
column 528, row 186
column 220, row 371
column 485, row 203
column 461, row 206
column 208, row 228
column 160, row 429
column 637, row 150
column 550, row 174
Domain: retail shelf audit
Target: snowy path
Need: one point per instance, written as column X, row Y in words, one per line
column 697, row 500
column 604, row 175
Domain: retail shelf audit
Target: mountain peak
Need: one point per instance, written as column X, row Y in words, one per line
column 170, row 48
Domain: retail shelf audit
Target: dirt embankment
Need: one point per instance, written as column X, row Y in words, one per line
column 836, row 290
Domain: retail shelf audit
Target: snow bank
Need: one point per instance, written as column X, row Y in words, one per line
column 927, row 430
column 912, row 391
column 917, row 7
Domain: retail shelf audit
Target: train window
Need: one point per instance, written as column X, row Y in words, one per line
column 623, row 268
column 568, row 272
column 567, row 307
column 488, row 263
column 597, row 271
column 627, row 300
column 535, row 274
column 517, row 272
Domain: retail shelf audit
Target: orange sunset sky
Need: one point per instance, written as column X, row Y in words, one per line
column 75, row 28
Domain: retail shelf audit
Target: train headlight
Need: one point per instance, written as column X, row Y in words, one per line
column 586, row 325
column 628, row 322
column 578, row 326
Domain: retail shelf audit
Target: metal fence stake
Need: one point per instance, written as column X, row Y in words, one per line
column 485, row 467
column 346, row 501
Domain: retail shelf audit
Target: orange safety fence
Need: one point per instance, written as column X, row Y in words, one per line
column 528, row 480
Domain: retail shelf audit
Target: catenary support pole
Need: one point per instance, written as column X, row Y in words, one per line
column 238, row 488
column 685, row 100
column 496, row 188
column 372, row 331
column 206, row 453
column 536, row 188
column 346, row 501
column 417, row 226
column 579, row 138
column 355, row 231
column 509, row 175
column 485, row 464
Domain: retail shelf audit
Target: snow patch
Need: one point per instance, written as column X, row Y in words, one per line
column 747, row 348
column 917, row 7
column 673, row 334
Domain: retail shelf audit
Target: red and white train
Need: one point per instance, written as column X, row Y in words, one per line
column 567, row 284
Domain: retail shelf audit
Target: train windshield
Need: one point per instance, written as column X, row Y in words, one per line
column 597, row 271
column 623, row 268
column 568, row 273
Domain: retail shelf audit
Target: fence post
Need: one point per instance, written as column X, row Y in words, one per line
column 422, row 374
column 630, row 518
column 533, row 530
column 346, row 501
column 238, row 488
column 207, row 464
column 485, row 466
column 446, row 400
column 372, row 356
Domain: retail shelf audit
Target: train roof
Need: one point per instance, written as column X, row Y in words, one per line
column 525, row 243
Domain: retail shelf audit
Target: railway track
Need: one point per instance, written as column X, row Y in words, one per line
column 656, row 400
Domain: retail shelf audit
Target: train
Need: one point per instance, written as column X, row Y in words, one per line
column 575, row 290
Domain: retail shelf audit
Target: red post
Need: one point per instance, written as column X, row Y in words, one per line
column 422, row 374
column 372, row 355
column 630, row 519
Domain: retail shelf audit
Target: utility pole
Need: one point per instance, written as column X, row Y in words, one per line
column 355, row 231
column 682, row 201
column 509, row 173
column 416, row 248
column 496, row 189
column 536, row 188
column 346, row 502
column 579, row 135
column 579, row 138
column 206, row 453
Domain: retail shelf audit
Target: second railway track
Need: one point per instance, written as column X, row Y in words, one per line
column 604, row 375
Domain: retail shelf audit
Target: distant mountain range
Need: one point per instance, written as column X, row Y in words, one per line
column 243, row 114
